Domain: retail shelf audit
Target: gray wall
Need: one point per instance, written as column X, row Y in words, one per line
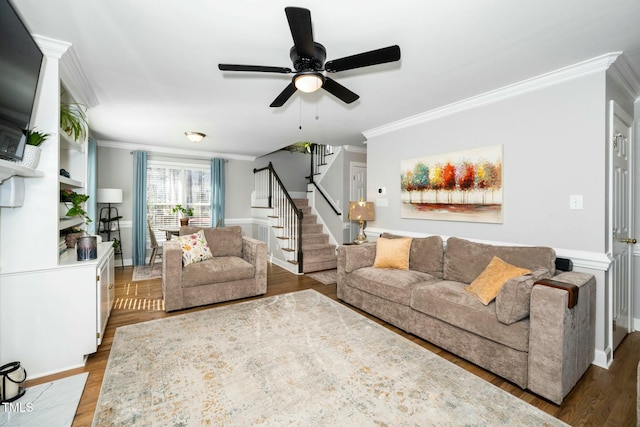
column 553, row 146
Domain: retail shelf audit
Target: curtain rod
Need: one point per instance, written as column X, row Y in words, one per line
column 184, row 158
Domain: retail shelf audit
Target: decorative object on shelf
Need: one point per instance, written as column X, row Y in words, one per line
column 110, row 218
column 185, row 213
column 195, row 136
column 73, row 120
column 86, row 245
column 361, row 211
column 63, row 172
column 32, row 149
column 11, row 376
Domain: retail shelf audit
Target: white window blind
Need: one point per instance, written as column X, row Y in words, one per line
column 169, row 184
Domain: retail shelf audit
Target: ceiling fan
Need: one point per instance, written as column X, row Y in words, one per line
column 308, row 59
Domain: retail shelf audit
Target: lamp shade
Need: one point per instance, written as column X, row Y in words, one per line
column 361, row 211
column 109, row 195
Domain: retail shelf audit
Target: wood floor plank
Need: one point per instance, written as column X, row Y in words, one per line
column 603, row 397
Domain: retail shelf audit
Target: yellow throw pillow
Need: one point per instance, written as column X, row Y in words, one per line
column 393, row 253
column 490, row 281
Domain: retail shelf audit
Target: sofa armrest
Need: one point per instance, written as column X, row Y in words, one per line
column 350, row 258
column 172, row 275
column 254, row 251
column 561, row 339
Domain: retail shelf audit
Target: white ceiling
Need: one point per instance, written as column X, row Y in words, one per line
column 152, row 64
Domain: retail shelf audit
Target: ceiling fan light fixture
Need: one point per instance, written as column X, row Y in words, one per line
column 308, row 81
column 195, row 136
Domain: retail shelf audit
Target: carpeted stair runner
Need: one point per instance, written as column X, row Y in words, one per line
column 318, row 254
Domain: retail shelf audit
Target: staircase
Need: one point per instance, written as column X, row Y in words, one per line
column 317, row 253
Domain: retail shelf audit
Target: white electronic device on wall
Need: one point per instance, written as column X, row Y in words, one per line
column 12, row 192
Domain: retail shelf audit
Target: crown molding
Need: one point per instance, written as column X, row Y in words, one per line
column 355, row 149
column 75, row 80
column 178, row 152
column 51, row 48
column 597, row 64
column 625, row 76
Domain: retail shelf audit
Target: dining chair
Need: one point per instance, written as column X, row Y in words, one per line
column 154, row 245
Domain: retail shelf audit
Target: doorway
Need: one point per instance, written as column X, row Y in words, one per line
column 621, row 238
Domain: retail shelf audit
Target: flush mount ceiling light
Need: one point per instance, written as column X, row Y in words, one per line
column 308, row 81
column 195, row 136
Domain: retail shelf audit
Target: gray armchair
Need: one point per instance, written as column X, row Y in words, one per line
column 237, row 270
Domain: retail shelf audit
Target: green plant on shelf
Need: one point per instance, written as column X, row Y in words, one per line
column 77, row 201
column 35, row 137
column 73, row 120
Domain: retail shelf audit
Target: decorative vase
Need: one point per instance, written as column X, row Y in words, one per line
column 87, row 248
column 184, row 221
column 31, row 156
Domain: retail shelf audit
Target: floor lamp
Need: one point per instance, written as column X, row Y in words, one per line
column 108, row 196
column 361, row 211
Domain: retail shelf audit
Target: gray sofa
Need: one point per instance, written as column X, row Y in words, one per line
column 528, row 335
column 237, row 270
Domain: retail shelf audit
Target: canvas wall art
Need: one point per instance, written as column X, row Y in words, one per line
column 458, row 186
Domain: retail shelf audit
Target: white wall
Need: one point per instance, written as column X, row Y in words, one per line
column 554, row 146
column 636, row 235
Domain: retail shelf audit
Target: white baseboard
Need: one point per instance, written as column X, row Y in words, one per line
column 603, row 358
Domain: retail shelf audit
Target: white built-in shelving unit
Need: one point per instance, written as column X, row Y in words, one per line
column 53, row 308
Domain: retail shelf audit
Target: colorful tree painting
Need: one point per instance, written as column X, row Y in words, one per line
column 458, row 186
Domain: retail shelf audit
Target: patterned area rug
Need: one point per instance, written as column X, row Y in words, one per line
column 145, row 272
column 327, row 277
column 294, row 359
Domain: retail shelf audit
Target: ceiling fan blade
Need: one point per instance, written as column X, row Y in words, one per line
column 255, row 68
column 284, row 96
column 301, row 31
column 364, row 59
column 339, row 91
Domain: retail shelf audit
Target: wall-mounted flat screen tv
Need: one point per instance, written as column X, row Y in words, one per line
column 20, row 61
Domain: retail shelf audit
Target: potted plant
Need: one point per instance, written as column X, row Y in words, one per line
column 32, row 149
column 73, row 120
column 185, row 213
column 86, row 245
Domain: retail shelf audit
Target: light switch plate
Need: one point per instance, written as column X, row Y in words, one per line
column 575, row 201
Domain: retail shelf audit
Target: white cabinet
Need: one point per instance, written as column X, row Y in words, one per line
column 50, row 320
column 105, row 293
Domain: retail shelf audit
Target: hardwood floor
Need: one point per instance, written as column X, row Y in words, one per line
column 601, row 398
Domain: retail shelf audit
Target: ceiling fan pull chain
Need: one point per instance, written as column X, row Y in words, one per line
column 300, row 114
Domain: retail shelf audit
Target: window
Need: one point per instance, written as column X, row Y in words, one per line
column 169, row 184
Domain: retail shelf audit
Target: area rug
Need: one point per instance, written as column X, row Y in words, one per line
column 326, row 277
column 293, row 359
column 145, row 272
column 50, row 404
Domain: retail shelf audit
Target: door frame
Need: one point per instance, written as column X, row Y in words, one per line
column 615, row 110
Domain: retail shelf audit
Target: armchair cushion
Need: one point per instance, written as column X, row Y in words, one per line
column 194, row 248
column 223, row 241
column 217, row 270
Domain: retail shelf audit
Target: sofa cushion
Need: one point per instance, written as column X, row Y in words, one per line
column 487, row 285
column 393, row 285
column 216, row 270
column 513, row 300
column 426, row 254
column 194, row 248
column 464, row 260
column 393, row 253
column 450, row 303
column 223, row 241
